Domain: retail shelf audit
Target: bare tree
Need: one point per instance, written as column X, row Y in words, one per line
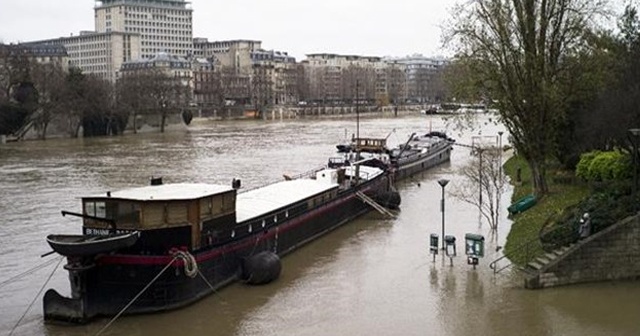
column 484, row 183
column 153, row 92
column 49, row 80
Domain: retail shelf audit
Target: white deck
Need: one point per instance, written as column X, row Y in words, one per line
column 168, row 192
column 257, row 202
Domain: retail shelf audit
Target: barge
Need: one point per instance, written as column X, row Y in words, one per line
column 164, row 246
column 419, row 153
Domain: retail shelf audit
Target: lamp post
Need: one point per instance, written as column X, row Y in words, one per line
column 499, row 177
column 442, row 183
column 635, row 132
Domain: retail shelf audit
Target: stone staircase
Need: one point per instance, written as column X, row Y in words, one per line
column 538, row 264
column 535, row 270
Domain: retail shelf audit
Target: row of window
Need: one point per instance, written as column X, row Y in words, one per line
column 156, row 24
column 184, row 11
column 181, row 18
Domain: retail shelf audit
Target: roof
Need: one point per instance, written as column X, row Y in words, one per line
column 167, row 192
column 263, row 200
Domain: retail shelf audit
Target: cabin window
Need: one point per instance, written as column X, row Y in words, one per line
column 286, row 214
column 96, row 209
column 263, row 223
column 275, row 218
column 90, row 208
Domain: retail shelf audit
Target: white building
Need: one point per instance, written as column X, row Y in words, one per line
column 98, row 53
column 234, row 54
column 163, row 25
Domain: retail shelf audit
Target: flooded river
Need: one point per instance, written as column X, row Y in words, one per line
column 373, row 276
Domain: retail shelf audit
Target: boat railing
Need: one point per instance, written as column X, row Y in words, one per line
column 308, row 174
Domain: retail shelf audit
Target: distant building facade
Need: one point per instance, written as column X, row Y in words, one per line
column 424, row 82
column 98, row 53
column 275, row 77
column 234, row 54
column 40, row 53
column 163, row 25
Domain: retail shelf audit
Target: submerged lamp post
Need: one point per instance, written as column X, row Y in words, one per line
column 442, row 183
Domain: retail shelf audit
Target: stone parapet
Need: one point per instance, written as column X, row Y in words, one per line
column 611, row 254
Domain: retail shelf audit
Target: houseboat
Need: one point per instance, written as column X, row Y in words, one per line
column 419, row 153
column 164, row 246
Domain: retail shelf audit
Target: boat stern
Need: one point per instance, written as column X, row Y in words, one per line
column 57, row 308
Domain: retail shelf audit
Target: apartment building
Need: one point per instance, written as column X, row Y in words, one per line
column 234, row 54
column 334, row 78
column 423, row 77
column 101, row 54
column 163, row 25
column 55, row 55
column 275, row 76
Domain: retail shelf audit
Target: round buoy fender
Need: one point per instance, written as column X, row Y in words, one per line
column 261, row 268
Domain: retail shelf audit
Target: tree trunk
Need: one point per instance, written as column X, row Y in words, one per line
column 43, row 135
column 135, row 123
column 163, row 119
column 538, row 172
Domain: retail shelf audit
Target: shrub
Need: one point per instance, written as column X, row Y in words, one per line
column 604, row 166
column 582, row 169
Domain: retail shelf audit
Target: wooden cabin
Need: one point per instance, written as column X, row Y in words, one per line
column 167, row 215
column 371, row 145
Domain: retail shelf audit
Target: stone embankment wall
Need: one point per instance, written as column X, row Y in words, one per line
column 611, row 254
column 59, row 128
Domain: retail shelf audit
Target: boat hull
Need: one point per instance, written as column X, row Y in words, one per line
column 109, row 285
column 420, row 162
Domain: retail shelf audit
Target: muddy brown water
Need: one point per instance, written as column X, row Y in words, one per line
column 373, row 276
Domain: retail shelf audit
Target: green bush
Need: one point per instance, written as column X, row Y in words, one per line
column 582, row 169
column 604, row 166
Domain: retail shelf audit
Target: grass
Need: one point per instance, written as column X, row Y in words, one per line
column 526, row 226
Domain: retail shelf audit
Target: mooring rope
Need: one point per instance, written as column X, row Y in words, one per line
column 29, row 271
column 190, row 264
column 136, row 297
column 37, row 295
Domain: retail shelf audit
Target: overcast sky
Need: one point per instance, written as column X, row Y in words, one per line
column 363, row 27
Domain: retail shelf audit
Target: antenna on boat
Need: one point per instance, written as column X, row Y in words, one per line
column 357, row 129
column 357, row 118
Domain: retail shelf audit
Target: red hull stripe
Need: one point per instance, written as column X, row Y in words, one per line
column 124, row 259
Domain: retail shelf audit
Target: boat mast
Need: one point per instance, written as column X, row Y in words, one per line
column 357, row 129
column 357, row 113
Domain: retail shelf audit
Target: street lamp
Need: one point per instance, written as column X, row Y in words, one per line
column 442, row 183
column 499, row 177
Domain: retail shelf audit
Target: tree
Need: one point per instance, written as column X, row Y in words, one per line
column 484, row 183
column 131, row 97
column 49, row 80
column 515, row 52
column 152, row 92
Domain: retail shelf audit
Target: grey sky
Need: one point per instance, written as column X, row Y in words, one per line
column 364, row 27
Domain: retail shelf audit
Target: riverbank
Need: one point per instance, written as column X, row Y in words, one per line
column 526, row 226
column 151, row 123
